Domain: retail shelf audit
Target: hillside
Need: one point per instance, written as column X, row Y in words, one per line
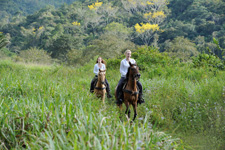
column 107, row 28
column 11, row 8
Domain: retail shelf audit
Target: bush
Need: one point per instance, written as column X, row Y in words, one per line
column 147, row 57
column 4, row 52
column 34, row 55
column 208, row 60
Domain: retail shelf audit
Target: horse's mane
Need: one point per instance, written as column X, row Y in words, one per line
column 128, row 72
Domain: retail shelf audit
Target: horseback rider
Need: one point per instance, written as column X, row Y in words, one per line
column 100, row 64
column 124, row 65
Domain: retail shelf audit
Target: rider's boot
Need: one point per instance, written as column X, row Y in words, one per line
column 119, row 99
column 108, row 92
column 109, row 95
column 92, row 87
column 140, row 99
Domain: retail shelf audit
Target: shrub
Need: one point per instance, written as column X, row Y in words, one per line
column 150, row 56
column 34, row 55
column 208, row 60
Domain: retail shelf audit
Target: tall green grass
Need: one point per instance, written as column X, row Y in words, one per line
column 189, row 100
column 50, row 107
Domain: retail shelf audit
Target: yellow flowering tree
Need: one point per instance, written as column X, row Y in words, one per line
column 153, row 16
column 92, row 18
column 95, row 5
column 75, row 23
column 146, row 31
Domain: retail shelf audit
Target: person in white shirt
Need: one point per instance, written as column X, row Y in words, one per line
column 124, row 65
column 100, row 64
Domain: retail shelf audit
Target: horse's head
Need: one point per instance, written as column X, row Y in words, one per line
column 133, row 72
column 101, row 76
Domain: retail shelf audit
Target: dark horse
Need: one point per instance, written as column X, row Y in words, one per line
column 130, row 91
column 100, row 88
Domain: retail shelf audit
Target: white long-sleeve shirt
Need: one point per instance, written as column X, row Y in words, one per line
column 96, row 68
column 124, row 65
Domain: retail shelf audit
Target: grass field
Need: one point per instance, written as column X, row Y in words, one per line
column 50, row 107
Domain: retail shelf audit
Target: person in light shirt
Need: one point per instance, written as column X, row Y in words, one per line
column 100, row 64
column 124, row 65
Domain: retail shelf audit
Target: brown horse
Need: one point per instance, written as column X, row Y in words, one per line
column 100, row 88
column 130, row 91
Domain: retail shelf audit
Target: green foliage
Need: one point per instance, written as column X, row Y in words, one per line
column 107, row 46
column 62, row 45
column 35, row 55
column 113, row 20
column 147, row 57
column 3, row 41
column 118, row 29
column 182, row 48
column 75, row 57
column 4, row 52
column 208, row 60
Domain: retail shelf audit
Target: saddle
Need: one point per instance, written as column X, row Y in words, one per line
column 128, row 91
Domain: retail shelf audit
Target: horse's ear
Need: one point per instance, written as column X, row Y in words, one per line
column 130, row 63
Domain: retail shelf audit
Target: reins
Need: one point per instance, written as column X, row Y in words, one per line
column 130, row 92
column 100, row 88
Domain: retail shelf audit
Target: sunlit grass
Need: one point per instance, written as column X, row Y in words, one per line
column 52, row 108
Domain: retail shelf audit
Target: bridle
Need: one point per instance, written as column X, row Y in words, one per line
column 135, row 76
column 99, row 88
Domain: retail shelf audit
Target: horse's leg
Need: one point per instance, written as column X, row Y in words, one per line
column 103, row 97
column 135, row 110
column 120, row 114
column 127, row 109
column 128, row 112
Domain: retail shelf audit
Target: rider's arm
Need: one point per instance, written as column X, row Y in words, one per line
column 96, row 69
column 123, row 69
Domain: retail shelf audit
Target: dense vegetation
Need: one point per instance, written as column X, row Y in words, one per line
column 49, row 105
column 89, row 28
column 11, row 8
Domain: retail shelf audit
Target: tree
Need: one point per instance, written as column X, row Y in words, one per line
column 181, row 47
column 153, row 16
column 3, row 41
column 118, row 29
column 146, row 31
column 107, row 46
column 62, row 45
